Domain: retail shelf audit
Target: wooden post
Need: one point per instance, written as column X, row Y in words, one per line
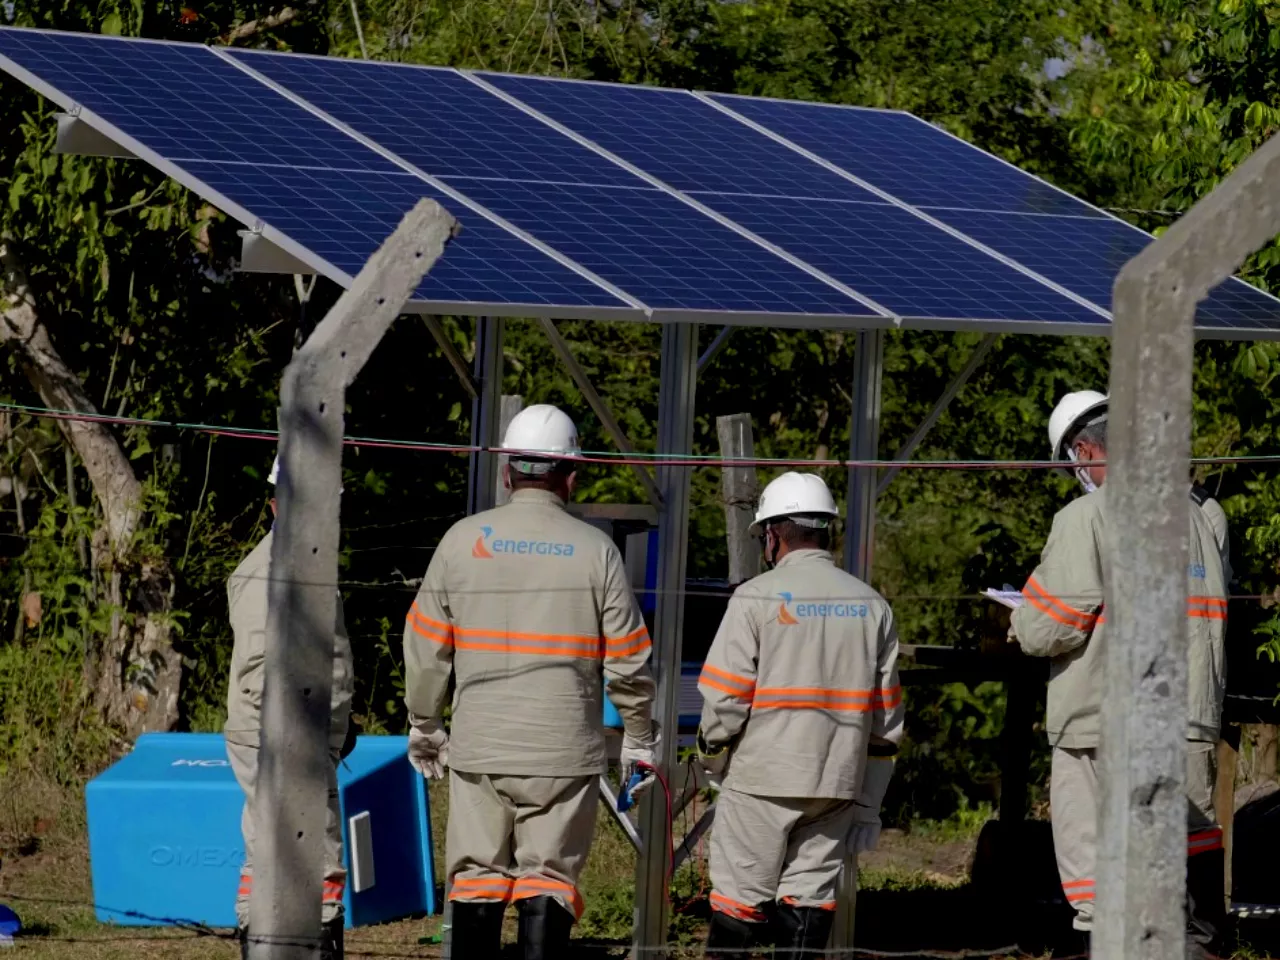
column 507, row 410
column 1224, row 795
column 738, row 486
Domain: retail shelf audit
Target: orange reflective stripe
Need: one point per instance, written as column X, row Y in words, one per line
column 533, row 644
column 726, row 682
column 632, row 643
column 481, row 888
column 826, row 905
column 889, row 698
column 1055, row 609
column 526, row 887
column 1205, row 841
column 333, row 890
column 1209, row 608
column 818, row 698
column 1077, row 890
column 733, row 908
column 424, row 626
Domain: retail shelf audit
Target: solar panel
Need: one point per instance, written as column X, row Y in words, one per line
column 626, row 200
column 642, row 239
column 257, row 151
column 904, row 156
column 1084, row 254
column 879, row 249
column 1058, row 236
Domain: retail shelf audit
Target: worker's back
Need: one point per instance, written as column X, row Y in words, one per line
column 247, row 592
column 526, row 594
column 824, row 682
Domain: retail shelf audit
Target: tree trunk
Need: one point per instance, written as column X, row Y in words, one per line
column 134, row 676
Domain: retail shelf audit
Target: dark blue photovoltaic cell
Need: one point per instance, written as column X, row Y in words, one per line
column 452, row 126
column 679, row 139
column 345, row 219
column 287, row 167
column 643, row 240
column 907, row 157
column 660, row 250
column 901, row 262
column 1086, row 254
column 185, row 103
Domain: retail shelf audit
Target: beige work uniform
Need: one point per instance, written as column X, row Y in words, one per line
column 531, row 610
column 1062, row 618
column 247, row 602
column 802, row 674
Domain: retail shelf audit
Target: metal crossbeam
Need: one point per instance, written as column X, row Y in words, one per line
column 599, row 407
column 953, row 389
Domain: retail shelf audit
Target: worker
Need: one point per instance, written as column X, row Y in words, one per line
column 801, row 719
column 247, row 591
column 530, row 610
column 1062, row 618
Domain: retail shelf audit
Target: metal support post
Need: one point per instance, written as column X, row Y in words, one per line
column 859, row 541
column 291, row 800
column 456, row 360
column 864, row 444
column 675, row 435
column 1142, row 758
column 486, row 409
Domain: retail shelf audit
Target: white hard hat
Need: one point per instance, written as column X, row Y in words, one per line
column 539, row 435
column 275, row 471
column 791, row 494
column 1073, row 411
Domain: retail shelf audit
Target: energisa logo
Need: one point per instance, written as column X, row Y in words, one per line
column 488, row 546
column 790, row 612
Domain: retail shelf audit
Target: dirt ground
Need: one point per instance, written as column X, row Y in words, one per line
column 915, row 899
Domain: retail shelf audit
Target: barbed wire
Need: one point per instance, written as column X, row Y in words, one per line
column 609, row 457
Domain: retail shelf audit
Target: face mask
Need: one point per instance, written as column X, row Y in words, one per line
column 770, row 555
column 1082, row 474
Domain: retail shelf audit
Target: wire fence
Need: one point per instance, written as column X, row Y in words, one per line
column 374, row 941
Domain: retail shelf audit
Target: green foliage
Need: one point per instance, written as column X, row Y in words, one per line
column 1141, row 105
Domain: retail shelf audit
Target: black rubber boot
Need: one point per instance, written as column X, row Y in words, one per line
column 476, row 930
column 1206, row 904
column 242, row 934
column 729, row 936
column 802, row 932
column 545, row 924
column 331, row 939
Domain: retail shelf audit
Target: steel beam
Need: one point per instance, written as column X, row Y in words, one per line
column 859, row 543
column 486, row 409
column 291, row 799
column 714, row 349
column 864, row 444
column 675, row 435
column 598, row 406
column 1142, row 758
column 953, row 389
column 451, row 354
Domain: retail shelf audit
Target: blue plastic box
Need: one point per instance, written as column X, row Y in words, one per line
column 165, row 844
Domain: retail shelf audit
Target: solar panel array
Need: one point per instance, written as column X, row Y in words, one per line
column 582, row 199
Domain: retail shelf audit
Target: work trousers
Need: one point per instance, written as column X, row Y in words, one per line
column 1073, row 798
column 784, row 849
column 244, row 764
column 512, row 838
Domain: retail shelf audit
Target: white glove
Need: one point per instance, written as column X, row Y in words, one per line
column 864, row 835
column 636, row 752
column 714, row 760
column 428, row 747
